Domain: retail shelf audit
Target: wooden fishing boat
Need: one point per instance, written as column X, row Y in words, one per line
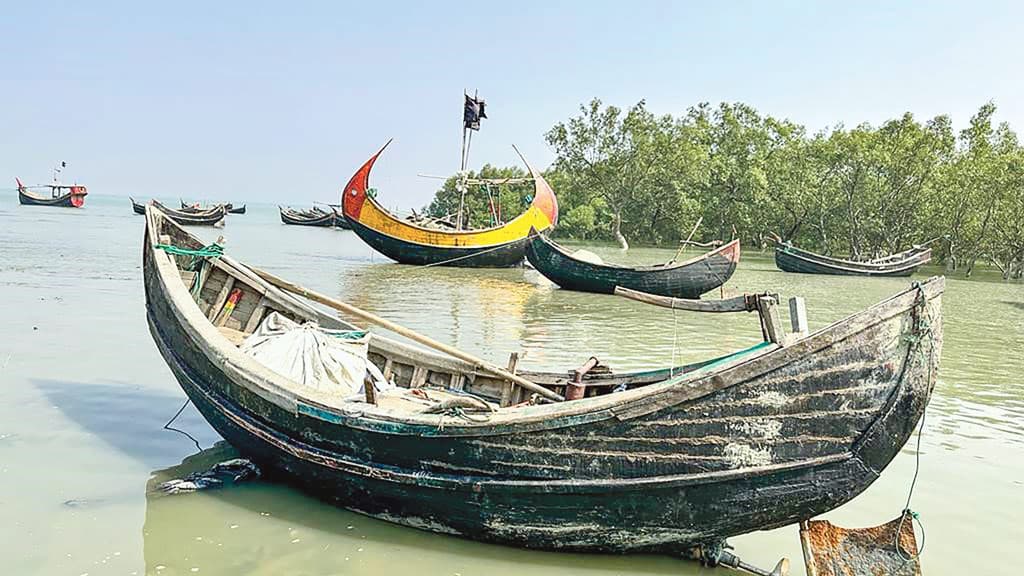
column 196, row 207
column 789, row 258
column 137, row 208
column 314, row 217
column 408, row 243
column 687, row 279
column 210, row 217
column 683, row 457
column 60, row 195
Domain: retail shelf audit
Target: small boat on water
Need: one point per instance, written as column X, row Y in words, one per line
column 138, row 208
column 687, row 279
column 72, row 196
column 196, row 207
column 210, row 217
column 313, row 217
column 789, row 258
column 656, row 461
column 408, row 243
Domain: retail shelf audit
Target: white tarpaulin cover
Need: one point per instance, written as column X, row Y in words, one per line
column 327, row 360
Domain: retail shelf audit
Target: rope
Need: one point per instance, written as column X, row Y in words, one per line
column 198, row 259
column 922, row 327
column 175, row 417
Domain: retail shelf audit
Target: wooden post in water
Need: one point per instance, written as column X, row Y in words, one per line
column 766, row 306
column 798, row 315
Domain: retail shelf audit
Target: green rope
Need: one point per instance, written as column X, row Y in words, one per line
column 371, row 192
column 196, row 264
column 211, row 251
column 348, row 335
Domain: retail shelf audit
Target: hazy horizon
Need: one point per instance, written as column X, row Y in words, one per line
column 273, row 105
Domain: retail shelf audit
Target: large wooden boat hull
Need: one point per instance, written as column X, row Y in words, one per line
column 69, row 200
column 405, row 242
column 762, row 439
column 687, row 279
column 792, row 259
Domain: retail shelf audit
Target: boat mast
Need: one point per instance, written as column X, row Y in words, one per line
column 55, row 184
column 467, row 142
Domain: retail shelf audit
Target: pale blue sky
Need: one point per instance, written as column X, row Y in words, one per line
column 282, row 102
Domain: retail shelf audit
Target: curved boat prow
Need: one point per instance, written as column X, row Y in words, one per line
column 543, row 196
column 354, row 194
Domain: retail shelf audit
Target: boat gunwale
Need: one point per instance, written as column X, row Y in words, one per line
column 646, row 268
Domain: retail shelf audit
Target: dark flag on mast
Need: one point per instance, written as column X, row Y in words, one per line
column 473, row 112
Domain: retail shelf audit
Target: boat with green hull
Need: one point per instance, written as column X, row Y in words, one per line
column 687, row 279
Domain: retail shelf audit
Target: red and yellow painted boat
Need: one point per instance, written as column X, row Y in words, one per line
column 408, row 243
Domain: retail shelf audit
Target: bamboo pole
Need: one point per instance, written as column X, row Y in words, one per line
column 477, row 363
column 684, row 243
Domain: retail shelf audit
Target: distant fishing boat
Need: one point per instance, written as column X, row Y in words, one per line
column 136, row 207
column 196, row 207
column 209, row 217
column 687, row 279
column 312, row 217
column 789, row 258
column 657, row 461
column 66, row 196
column 408, row 243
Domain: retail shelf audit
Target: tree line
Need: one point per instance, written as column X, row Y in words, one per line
column 861, row 192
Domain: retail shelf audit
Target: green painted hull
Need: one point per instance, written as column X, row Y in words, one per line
column 685, row 281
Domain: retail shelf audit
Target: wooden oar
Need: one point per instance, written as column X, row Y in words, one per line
column 478, row 363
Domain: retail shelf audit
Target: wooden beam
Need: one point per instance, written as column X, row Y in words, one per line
column 744, row 303
column 221, row 298
column 508, row 394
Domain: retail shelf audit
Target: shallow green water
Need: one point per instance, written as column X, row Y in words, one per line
column 84, row 394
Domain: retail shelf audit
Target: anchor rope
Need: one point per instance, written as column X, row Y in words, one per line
column 175, row 417
column 922, row 328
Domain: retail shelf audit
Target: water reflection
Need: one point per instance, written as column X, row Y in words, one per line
column 261, row 528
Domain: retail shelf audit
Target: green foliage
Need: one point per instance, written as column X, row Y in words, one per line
column 863, row 192
column 508, row 200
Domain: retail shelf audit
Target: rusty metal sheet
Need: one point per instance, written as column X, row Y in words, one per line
column 830, row 550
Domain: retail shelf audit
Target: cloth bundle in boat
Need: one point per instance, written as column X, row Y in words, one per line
column 331, row 361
